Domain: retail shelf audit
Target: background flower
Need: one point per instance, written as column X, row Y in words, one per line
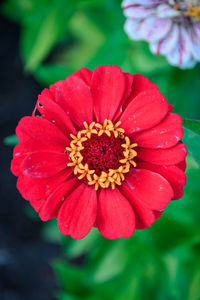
column 171, row 27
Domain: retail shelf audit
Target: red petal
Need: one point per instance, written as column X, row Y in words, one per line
column 174, row 176
column 51, row 111
column 182, row 165
column 18, row 157
column 150, row 188
column 37, row 188
column 127, row 91
column 170, row 156
column 107, row 88
column 145, row 111
column 115, row 216
column 147, row 218
column 50, row 93
column 55, row 199
column 56, row 91
column 44, row 164
column 164, row 135
column 78, row 212
column 31, row 188
column 85, row 74
column 129, row 79
column 158, row 214
column 37, row 204
column 79, row 103
column 19, row 154
column 139, row 84
column 16, row 165
column 36, row 133
column 19, row 150
column 147, row 192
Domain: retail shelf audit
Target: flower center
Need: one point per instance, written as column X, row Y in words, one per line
column 101, row 154
column 194, row 12
column 187, row 8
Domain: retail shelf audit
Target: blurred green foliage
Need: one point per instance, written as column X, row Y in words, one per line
column 60, row 36
column 192, row 138
column 11, row 140
column 162, row 262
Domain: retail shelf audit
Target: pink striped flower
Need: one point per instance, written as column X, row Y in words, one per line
column 172, row 28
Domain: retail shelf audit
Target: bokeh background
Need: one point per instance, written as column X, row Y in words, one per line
column 42, row 42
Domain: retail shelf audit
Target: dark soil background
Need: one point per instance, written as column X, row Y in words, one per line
column 25, row 272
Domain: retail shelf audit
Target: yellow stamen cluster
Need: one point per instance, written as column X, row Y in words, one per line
column 114, row 176
column 109, row 127
column 194, row 12
column 129, row 153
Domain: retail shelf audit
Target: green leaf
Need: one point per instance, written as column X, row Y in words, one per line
column 11, row 140
column 191, row 163
column 181, row 88
column 17, row 9
column 193, row 125
column 192, row 138
column 42, row 42
column 38, row 38
column 71, row 278
column 76, row 52
column 50, row 73
column 112, row 260
column 187, row 210
column 194, row 288
column 84, row 31
column 65, row 296
column 79, row 247
column 43, row 26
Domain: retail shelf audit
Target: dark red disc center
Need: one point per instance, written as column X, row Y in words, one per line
column 102, row 153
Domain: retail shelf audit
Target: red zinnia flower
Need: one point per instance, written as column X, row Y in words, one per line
column 104, row 151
